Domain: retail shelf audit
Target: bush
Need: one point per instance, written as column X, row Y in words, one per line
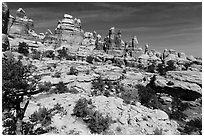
column 61, row 88
column 194, row 125
column 152, row 67
column 95, row 121
column 62, row 53
column 9, row 124
column 130, row 95
column 49, row 54
column 36, row 55
column 177, row 110
column 99, row 86
column 73, row 71
column 147, row 97
column 89, row 59
column 158, row 131
column 43, row 116
column 161, row 69
column 81, row 108
column 45, row 87
column 23, row 48
column 57, row 75
column 171, row 65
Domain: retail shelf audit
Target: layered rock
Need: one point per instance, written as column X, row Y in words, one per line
column 69, row 30
column 129, row 119
column 21, row 24
column 113, row 41
column 176, row 87
column 89, row 39
column 186, row 76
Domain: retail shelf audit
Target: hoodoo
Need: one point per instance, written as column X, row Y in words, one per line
column 21, row 24
column 69, row 30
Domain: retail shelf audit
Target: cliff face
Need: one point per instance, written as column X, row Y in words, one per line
column 21, row 24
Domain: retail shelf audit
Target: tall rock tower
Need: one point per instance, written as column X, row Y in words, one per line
column 69, row 31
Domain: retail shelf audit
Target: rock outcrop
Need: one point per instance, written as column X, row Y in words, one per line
column 186, row 76
column 69, row 30
column 128, row 118
column 176, row 88
column 21, row 24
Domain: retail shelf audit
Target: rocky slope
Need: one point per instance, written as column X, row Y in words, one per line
column 143, row 92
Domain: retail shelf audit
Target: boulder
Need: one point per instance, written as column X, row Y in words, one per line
column 184, row 90
column 171, row 57
column 191, row 58
column 182, row 55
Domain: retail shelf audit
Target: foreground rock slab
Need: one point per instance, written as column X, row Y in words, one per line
column 185, row 90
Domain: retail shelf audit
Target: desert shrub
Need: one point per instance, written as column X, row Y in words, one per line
column 9, row 126
column 152, row 67
column 23, row 48
column 89, row 59
column 129, row 95
column 177, row 110
column 147, row 96
column 171, row 65
column 73, row 132
column 73, row 91
column 95, row 121
column 62, row 53
column 158, row 131
column 161, row 69
column 36, row 55
column 29, row 129
column 98, row 85
column 61, row 88
column 73, row 71
column 81, row 108
column 45, row 87
column 57, row 75
column 69, row 57
column 195, row 125
column 42, row 116
column 49, row 54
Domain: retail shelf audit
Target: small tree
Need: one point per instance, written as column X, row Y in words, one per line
column 14, row 88
column 23, row 48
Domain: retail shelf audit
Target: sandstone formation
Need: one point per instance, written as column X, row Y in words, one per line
column 69, row 30
column 181, row 89
column 21, row 24
column 142, row 90
column 129, row 118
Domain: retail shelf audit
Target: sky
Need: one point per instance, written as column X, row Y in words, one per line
column 170, row 25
